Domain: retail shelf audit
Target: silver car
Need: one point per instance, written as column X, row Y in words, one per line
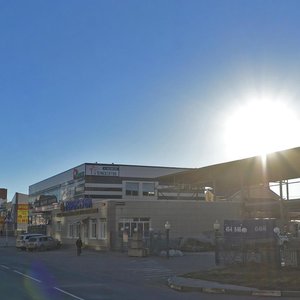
column 22, row 240
column 42, row 243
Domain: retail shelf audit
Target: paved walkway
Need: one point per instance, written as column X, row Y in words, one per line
column 9, row 241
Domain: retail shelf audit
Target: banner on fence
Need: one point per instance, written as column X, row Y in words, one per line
column 249, row 229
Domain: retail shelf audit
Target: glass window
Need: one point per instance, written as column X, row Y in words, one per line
column 132, row 188
column 77, row 229
column 93, row 229
column 71, row 231
column 146, row 229
column 149, row 189
column 142, row 224
column 102, row 230
column 58, row 226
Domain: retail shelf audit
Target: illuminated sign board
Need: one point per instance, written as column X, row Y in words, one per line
column 78, row 204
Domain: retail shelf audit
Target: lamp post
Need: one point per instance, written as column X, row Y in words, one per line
column 150, row 240
column 167, row 227
column 216, row 227
column 122, row 239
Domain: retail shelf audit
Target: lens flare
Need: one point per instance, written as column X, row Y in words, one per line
column 260, row 127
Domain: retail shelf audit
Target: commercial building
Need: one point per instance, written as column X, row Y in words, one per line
column 100, row 201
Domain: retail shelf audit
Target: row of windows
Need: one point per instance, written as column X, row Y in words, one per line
column 142, row 225
column 132, row 188
column 94, row 229
column 138, row 188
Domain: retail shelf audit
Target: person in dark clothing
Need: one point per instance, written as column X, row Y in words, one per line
column 78, row 246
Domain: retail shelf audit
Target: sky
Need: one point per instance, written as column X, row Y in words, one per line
column 165, row 83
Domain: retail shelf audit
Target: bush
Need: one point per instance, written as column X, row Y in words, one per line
column 195, row 245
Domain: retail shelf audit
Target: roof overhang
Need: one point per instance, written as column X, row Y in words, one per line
column 277, row 166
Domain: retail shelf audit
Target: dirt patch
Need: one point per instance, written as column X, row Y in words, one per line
column 253, row 275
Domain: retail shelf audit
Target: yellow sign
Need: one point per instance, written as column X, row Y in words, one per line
column 22, row 213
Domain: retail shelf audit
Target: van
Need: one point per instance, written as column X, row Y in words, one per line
column 41, row 243
column 22, row 240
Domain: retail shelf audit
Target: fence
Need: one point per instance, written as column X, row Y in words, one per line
column 268, row 252
column 246, row 251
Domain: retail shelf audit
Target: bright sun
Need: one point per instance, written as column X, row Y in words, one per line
column 260, row 127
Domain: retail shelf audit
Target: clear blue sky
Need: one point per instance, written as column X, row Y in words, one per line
column 135, row 82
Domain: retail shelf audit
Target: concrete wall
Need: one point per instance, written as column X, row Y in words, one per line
column 187, row 218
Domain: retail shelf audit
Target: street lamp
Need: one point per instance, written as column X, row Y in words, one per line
column 150, row 239
column 216, row 227
column 167, row 227
column 122, row 239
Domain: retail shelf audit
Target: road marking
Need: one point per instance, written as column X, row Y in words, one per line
column 5, row 267
column 56, row 288
column 67, row 293
column 25, row 275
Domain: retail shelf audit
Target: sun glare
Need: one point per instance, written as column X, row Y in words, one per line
column 260, row 127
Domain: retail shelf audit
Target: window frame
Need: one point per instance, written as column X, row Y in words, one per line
column 93, row 228
column 102, row 234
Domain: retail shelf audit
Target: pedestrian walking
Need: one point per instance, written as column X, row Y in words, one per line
column 78, row 246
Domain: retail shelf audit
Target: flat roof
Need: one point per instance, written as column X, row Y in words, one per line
column 231, row 176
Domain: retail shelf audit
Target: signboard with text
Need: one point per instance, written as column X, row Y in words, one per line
column 98, row 170
column 22, row 216
column 78, row 204
column 249, row 229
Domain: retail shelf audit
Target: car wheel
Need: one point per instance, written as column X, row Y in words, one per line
column 42, row 248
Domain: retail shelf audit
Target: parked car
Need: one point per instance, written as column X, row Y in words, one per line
column 22, row 240
column 42, row 243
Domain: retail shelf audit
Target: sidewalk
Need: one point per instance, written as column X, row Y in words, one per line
column 197, row 285
column 9, row 241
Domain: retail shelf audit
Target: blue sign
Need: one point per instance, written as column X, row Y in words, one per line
column 78, row 204
column 250, row 229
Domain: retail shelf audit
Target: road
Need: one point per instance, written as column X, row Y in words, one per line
column 61, row 275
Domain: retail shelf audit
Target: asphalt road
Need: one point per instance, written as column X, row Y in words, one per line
column 60, row 274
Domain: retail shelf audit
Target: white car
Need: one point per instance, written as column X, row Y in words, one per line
column 22, row 240
column 42, row 243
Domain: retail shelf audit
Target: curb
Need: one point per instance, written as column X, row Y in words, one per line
column 264, row 293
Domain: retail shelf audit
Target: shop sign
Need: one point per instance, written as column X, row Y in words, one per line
column 103, row 170
column 78, row 204
column 251, row 229
column 77, row 174
column 23, row 213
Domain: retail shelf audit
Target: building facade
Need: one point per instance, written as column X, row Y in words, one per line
column 105, row 204
column 100, row 201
